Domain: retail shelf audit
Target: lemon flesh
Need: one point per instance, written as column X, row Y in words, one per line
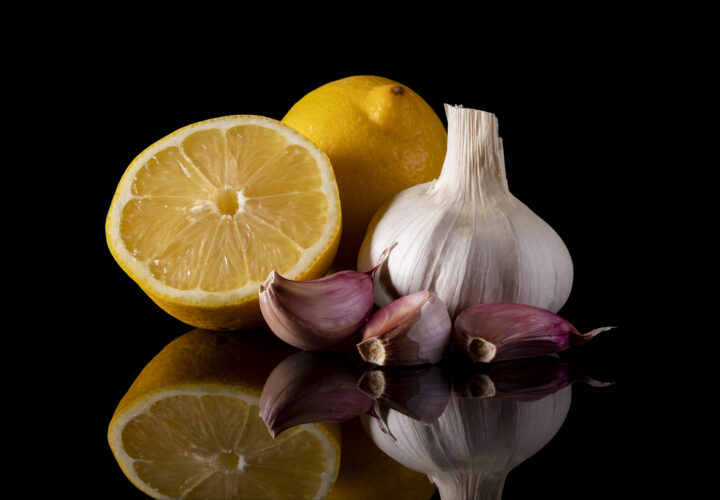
column 201, row 218
column 209, row 442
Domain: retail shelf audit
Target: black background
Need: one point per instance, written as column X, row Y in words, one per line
column 574, row 114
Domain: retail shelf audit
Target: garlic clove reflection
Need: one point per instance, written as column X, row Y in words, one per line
column 526, row 379
column 311, row 387
column 411, row 330
column 421, row 393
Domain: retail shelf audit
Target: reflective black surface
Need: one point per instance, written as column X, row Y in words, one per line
column 477, row 430
column 567, row 130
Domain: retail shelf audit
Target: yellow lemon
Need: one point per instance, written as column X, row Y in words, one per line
column 381, row 137
column 200, row 218
column 189, row 426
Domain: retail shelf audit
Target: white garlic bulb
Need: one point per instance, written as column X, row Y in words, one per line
column 464, row 236
column 475, row 443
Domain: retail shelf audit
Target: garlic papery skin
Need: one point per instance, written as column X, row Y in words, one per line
column 464, row 236
column 411, row 330
column 475, row 443
column 495, row 332
column 318, row 314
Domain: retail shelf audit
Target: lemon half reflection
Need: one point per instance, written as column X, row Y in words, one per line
column 189, row 427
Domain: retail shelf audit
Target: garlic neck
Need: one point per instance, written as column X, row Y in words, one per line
column 474, row 166
column 477, row 485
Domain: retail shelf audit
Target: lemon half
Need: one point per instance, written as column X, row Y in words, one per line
column 200, row 218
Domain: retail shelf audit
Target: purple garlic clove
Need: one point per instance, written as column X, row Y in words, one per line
column 317, row 314
column 411, row 330
column 501, row 331
column 321, row 314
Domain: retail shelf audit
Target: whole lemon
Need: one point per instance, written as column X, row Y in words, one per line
column 381, row 138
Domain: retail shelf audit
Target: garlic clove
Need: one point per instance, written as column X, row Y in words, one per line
column 526, row 379
column 324, row 313
column 311, row 387
column 411, row 330
column 317, row 314
column 421, row 393
column 500, row 331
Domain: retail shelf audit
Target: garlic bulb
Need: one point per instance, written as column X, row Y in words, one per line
column 464, row 236
column 475, row 443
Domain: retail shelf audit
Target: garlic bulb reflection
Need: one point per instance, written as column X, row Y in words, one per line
column 474, row 444
column 464, row 236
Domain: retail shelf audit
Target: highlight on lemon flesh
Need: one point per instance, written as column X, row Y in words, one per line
column 189, row 426
column 200, row 218
column 381, row 138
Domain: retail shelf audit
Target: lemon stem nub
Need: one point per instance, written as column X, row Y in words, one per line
column 397, row 90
